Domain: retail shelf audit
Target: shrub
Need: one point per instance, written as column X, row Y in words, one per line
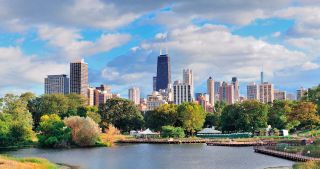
column 53, row 132
column 85, row 132
column 111, row 135
column 170, row 131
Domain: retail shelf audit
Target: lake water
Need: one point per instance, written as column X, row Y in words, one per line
column 151, row 156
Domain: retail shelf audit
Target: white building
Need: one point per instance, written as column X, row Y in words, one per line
column 211, row 90
column 155, row 100
column 266, row 92
column 182, row 92
column 134, row 95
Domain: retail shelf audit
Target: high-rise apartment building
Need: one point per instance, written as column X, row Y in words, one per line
column 155, row 100
column 253, row 91
column 79, row 78
column 187, row 76
column 227, row 93
column 236, row 88
column 301, row 92
column 163, row 72
column 217, row 85
column 210, row 90
column 182, row 92
column 90, row 96
column 56, row 84
column 134, row 95
column 280, row 95
column 266, row 92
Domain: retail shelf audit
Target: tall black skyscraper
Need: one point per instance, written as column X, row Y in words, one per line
column 163, row 72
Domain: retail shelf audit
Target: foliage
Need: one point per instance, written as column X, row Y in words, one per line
column 15, row 119
column 247, row 116
column 111, row 135
column 166, row 114
column 173, row 132
column 122, row 113
column 306, row 114
column 191, row 117
column 53, row 132
column 277, row 116
column 85, row 132
column 212, row 119
column 62, row 105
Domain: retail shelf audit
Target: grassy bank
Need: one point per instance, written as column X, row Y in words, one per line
column 7, row 162
column 307, row 165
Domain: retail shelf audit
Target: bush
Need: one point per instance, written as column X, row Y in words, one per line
column 170, row 131
column 85, row 132
column 53, row 132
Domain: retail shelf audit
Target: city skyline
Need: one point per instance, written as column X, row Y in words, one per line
column 122, row 48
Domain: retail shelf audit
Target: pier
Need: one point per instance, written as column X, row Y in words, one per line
column 280, row 154
column 236, row 144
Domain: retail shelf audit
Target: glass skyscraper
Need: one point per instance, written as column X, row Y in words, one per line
column 163, row 72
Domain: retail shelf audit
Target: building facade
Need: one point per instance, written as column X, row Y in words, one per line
column 154, row 100
column 79, row 78
column 227, row 93
column 266, row 92
column 236, row 88
column 301, row 92
column 56, row 84
column 163, row 72
column 210, row 90
column 280, row 95
column 253, row 91
column 134, row 95
column 182, row 92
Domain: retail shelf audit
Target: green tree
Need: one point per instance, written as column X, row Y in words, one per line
column 16, row 119
column 53, row 132
column 191, row 117
column 122, row 113
column 173, row 132
column 212, row 119
column 164, row 115
column 313, row 95
column 229, row 118
column 277, row 116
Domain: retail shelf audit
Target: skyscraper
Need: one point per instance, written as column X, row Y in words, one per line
column 227, row 93
column 210, row 90
column 261, row 78
column 56, row 84
column 79, row 78
column 187, row 76
column 154, row 82
column 301, row 92
column 182, row 92
column 236, row 89
column 134, row 95
column 253, row 91
column 163, row 72
column 266, row 92
column 217, row 85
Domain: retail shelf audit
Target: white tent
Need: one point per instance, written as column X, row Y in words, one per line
column 146, row 133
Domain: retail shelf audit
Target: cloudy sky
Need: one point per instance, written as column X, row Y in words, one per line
column 120, row 40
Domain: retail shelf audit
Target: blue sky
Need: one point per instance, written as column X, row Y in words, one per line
column 121, row 40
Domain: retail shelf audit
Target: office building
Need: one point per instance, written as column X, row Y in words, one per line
column 217, row 85
column 236, row 88
column 227, row 93
column 154, row 100
column 90, row 95
column 154, row 82
column 203, row 100
column 182, row 92
column 134, row 95
column 210, row 90
column 56, row 84
column 253, row 91
column 79, row 78
column 301, row 92
column 187, row 76
column 266, row 92
column 280, row 95
column 163, row 72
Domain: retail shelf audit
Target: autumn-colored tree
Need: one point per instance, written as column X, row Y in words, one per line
column 306, row 114
column 85, row 132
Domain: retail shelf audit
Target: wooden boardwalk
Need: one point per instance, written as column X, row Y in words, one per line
column 280, row 154
column 145, row 141
column 235, row 144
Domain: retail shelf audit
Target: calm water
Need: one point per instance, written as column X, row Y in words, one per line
column 150, row 156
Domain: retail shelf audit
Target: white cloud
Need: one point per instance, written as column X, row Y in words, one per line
column 210, row 50
column 23, row 72
column 310, row 66
column 73, row 46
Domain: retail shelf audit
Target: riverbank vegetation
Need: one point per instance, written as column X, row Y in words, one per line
column 7, row 162
column 307, row 165
column 65, row 120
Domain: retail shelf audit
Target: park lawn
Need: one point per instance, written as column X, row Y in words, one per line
column 307, row 165
column 7, row 162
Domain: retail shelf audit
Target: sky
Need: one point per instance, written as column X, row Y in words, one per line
column 120, row 41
